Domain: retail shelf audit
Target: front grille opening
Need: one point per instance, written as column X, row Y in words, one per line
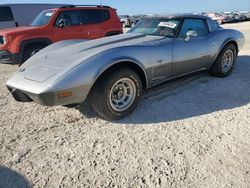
column 19, row 95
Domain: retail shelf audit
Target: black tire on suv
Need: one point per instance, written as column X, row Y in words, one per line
column 30, row 50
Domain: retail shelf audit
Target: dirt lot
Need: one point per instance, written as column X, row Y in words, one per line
column 193, row 133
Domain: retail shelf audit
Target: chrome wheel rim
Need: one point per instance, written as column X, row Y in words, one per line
column 227, row 61
column 122, row 94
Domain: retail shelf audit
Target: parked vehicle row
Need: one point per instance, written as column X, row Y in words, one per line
column 247, row 14
column 219, row 17
column 125, row 21
column 228, row 17
column 53, row 25
column 130, row 21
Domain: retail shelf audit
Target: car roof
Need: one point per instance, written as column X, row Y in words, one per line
column 79, row 7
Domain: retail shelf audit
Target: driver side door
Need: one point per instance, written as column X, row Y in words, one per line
column 195, row 53
column 73, row 26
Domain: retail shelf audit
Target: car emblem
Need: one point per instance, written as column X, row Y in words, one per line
column 22, row 70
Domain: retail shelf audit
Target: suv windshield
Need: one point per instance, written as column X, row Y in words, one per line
column 43, row 18
column 167, row 27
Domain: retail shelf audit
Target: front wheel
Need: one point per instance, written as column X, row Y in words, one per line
column 116, row 94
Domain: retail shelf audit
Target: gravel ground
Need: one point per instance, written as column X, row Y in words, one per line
column 192, row 133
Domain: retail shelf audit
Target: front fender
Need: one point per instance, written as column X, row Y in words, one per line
column 116, row 61
column 89, row 70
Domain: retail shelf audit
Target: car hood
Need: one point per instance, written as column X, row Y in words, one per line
column 16, row 30
column 42, row 66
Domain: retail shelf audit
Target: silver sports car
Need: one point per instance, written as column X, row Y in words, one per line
column 112, row 72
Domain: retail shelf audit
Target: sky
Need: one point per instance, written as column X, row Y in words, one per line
column 155, row 6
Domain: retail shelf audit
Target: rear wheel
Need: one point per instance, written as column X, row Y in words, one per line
column 224, row 64
column 116, row 94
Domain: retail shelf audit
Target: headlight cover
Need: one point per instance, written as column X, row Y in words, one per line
column 2, row 40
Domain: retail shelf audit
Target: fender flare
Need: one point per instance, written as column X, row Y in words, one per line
column 105, row 67
column 30, row 41
column 228, row 41
column 111, row 33
column 231, row 40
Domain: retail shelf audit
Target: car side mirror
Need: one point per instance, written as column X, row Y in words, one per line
column 190, row 34
column 62, row 23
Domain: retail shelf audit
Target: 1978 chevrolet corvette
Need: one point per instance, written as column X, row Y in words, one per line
column 112, row 72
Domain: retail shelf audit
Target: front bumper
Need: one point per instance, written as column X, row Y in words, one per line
column 46, row 99
column 7, row 57
column 79, row 94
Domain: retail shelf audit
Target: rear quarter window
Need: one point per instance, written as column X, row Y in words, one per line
column 96, row 16
column 6, row 14
column 198, row 25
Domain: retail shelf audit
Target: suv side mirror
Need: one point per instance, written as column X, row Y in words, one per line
column 190, row 34
column 61, row 23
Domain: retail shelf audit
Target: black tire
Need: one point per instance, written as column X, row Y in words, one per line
column 30, row 50
column 104, row 88
column 111, row 34
column 217, row 67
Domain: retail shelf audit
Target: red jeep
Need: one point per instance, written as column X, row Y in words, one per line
column 53, row 25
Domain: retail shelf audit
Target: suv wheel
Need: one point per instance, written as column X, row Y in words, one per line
column 30, row 51
column 116, row 95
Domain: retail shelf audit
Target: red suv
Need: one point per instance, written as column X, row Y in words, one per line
column 53, row 25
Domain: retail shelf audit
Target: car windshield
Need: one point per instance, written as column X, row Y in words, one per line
column 167, row 27
column 43, row 18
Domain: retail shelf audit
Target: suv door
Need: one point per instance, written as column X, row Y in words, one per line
column 197, row 52
column 73, row 28
column 95, row 22
column 6, row 18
